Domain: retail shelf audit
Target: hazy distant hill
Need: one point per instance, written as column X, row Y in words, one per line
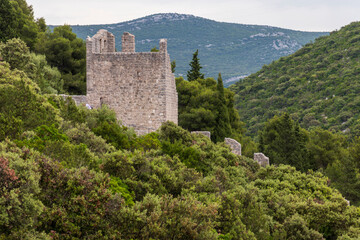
column 233, row 49
column 319, row 85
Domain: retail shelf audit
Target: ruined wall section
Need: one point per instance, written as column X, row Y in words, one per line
column 171, row 95
column 78, row 99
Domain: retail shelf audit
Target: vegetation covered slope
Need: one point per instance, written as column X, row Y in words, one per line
column 319, row 85
column 233, row 49
column 74, row 173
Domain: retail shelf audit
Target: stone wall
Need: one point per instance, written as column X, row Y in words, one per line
column 234, row 145
column 205, row 133
column 139, row 87
column 261, row 159
column 79, row 99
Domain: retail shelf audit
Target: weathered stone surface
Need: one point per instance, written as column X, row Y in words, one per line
column 261, row 159
column 205, row 133
column 234, row 145
column 79, row 99
column 128, row 42
column 139, row 87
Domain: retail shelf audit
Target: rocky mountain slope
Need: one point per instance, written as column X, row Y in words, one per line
column 236, row 50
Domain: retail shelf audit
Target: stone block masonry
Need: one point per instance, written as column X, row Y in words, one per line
column 234, row 145
column 261, row 159
column 205, row 133
column 78, row 99
column 139, row 87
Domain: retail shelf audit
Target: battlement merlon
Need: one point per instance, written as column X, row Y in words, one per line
column 128, row 42
column 163, row 46
column 102, row 42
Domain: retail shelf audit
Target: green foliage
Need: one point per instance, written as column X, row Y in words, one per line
column 20, row 184
column 26, row 27
column 7, row 21
column 173, row 66
column 321, row 207
column 297, row 228
column 242, row 217
column 48, row 78
column 318, row 85
column 17, row 54
column 17, row 21
column 195, row 151
column 223, row 127
column 74, row 196
column 21, row 105
column 146, row 142
column 167, row 217
column 41, row 137
column 154, row 49
column 66, row 52
column 344, row 175
column 326, row 147
column 63, row 50
column 284, row 142
column 205, row 105
column 194, row 72
column 113, row 134
column 81, row 133
column 117, row 186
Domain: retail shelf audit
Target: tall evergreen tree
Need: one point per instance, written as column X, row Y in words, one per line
column 223, row 127
column 8, row 22
column 284, row 142
column 194, row 72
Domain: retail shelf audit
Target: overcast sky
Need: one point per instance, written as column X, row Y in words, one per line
column 310, row 15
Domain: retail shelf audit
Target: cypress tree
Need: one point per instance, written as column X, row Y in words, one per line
column 223, row 127
column 194, row 72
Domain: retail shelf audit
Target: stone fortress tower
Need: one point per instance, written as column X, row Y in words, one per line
column 139, row 87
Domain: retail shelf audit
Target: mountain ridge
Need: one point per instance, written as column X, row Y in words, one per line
column 231, row 48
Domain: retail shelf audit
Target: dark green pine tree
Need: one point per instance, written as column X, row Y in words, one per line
column 8, row 22
column 284, row 142
column 194, row 73
column 223, row 126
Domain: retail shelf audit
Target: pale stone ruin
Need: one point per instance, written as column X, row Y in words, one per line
column 261, row 159
column 138, row 86
column 234, row 145
column 205, row 133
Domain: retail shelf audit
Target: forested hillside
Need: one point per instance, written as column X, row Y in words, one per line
column 74, row 173
column 234, row 49
column 318, row 85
